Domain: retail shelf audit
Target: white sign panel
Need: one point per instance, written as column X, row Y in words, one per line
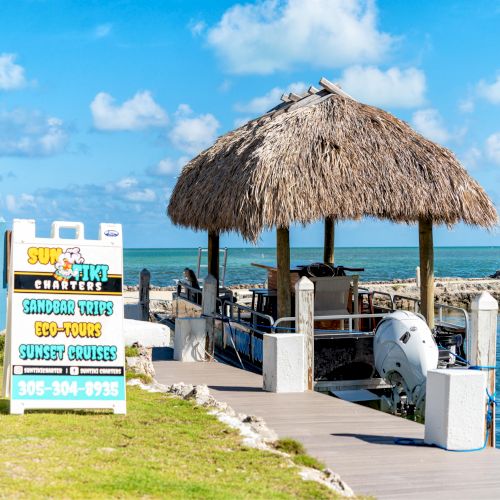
column 65, row 344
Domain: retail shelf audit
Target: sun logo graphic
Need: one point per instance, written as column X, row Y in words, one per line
column 64, row 265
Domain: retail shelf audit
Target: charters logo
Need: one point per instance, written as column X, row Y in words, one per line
column 65, row 265
column 70, row 269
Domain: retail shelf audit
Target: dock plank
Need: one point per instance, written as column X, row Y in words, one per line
column 354, row 441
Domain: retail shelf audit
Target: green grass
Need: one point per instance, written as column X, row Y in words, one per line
column 164, row 447
column 143, row 377
column 290, row 446
column 131, row 351
column 308, row 461
column 298, row 453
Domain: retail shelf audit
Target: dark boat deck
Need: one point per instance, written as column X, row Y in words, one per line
column 356, row 442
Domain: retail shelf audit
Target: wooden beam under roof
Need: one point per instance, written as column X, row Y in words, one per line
column 312, row 90
column 334, row 89
column 294, row 97
column 309, row 99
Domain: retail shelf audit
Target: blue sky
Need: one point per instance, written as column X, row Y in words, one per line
column 102, row 102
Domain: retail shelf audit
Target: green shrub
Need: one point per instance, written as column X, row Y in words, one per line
column 145, row 379
column 290, row 446
column 298, row 453
column 131, row 351
column 308, row 461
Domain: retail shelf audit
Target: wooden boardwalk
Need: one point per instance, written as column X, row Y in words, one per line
column 354, row 441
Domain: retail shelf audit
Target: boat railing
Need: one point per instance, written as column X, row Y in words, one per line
column 445, row 312
column 223, row 265
column 263, row 323
column 460, row 310
column 245, row 316
column 321, row 333
column 242, row 329
column 187, row 292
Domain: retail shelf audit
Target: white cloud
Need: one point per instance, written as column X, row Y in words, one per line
column 30, row 133
column 11, row 74
column 238, row 122
column 225, row 86
column 103, row 30
column 167, row 166
column 466, row 105
column 190, row 133
column 183, row 110
column 276, row 35
column 471, row 157
column 263, row 103
column 22, row 202
column 128, row 188
column 126, row 183
column 490, row 91
column 430, row 124
column 493, row 147
column 197, row 27
column 145, row 195
column 394, row 87
column 129, row 200
column 137, row 113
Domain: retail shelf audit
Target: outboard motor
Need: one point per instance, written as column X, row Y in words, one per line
column 404, row 350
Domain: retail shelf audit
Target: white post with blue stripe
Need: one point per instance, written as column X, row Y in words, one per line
column 482, row 348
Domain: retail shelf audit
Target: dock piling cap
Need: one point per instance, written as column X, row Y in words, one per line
column 304, row 284
column 484, row 302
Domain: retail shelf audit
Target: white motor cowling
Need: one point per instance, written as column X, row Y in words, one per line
column 404, row 350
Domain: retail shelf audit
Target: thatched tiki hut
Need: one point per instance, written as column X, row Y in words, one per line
column 325, row 156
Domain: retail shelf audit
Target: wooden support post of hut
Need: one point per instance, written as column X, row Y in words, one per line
column 144, row 287
column 426, row 270
column 329, row 243
column 209, row 307
column 283, row 260
column 213, row 254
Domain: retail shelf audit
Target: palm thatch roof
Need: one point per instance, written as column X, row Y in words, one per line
column 324, row 154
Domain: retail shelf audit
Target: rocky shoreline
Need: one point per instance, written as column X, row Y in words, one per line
column 456, row 292
column 452, row 291
column 253, row 429
column 240, row 286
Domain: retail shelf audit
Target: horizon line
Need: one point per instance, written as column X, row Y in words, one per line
column 306, row 247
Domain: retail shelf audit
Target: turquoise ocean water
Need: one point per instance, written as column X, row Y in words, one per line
column 380, row 264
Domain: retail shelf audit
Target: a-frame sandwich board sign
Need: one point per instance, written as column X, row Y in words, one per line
column 64, row 345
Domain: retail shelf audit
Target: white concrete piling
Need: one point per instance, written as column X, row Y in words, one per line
column 483, row 343
column 189, row 339
column 457, row 399
column 283, row 363
column 455, row 409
